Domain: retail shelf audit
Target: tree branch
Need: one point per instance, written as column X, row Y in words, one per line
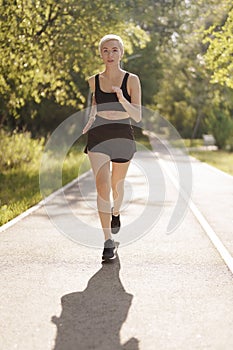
column 49, row 21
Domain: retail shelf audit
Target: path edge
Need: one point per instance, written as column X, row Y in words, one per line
column 37, row 206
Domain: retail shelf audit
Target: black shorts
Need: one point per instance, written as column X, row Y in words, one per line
column 112, row 137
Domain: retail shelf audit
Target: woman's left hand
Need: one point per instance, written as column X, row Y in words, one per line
column 119, row 93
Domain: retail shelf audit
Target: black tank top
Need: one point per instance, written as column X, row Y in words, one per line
column 108, row 101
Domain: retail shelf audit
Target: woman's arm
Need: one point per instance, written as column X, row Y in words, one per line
column 133, row 108
column 93, row 111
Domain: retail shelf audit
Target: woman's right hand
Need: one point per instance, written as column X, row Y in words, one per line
column 88, row 125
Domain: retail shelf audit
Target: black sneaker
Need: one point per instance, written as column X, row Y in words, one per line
column 115, row 223
column 109, row 249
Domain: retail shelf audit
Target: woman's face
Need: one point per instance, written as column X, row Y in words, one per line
column 111, row 52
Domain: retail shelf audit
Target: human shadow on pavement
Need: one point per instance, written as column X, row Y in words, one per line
column 92, row 319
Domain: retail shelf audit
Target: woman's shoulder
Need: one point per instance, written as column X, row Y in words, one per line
column 133, row 78
column 91, row 78
column 91, row 82
column 131, row 74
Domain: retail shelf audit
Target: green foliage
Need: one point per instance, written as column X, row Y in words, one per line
column 221, row 126
column 185, row 94
column 218, row 57
column 18, row 148
column 19, row 172
column 47, row 49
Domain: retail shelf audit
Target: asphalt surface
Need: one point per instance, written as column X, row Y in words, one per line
column 164, row 291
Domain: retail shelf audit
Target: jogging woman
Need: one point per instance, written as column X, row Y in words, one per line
column 116, row 100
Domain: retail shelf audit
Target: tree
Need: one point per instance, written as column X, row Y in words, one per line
column 218, row 57
column 218, row 60
column 48, row 49
column 185, row 95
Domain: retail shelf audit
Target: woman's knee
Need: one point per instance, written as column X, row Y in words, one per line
column 103, row 189
column 118, row 186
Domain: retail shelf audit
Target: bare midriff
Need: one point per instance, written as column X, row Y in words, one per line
column 113, row 115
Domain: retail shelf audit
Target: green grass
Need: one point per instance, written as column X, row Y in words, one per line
column 20, row 158
column 20, row 188
column 193, row 143
column 220, row 159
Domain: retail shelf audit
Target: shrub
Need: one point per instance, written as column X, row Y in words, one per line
column 18, row 148
column 221, row 126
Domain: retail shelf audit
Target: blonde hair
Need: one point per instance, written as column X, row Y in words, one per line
column 109, row 37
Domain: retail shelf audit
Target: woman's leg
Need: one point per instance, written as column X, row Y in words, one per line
column 100, row 164
column 119, row 171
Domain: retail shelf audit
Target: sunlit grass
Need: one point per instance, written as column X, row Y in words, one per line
column 193, row 143
column 19, row 186
column 220, row 159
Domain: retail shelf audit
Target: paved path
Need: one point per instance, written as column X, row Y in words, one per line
column 163, row 292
